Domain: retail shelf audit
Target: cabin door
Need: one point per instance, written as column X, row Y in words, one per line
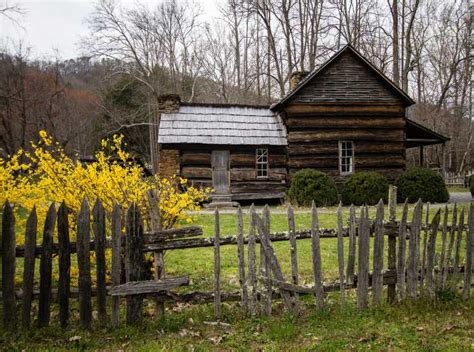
column 220, row 171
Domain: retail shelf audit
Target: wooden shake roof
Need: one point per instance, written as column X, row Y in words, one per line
column 235, row 125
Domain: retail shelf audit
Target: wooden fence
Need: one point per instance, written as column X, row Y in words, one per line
column 418, row 262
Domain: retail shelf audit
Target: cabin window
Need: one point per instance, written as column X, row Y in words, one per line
column 346, row 157
column 262, row 163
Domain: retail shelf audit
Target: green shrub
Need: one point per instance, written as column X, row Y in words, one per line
column 418, row 182
column 365, row 187
column 308, row 185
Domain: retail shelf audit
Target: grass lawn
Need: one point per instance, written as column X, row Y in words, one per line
column 458, row 189
column 414, row 326
column 419, row 325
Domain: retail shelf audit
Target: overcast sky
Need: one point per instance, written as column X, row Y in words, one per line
column 51, row 26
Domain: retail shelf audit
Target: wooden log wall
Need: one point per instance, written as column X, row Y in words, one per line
column 377, row 133
column 195, row 165
column 348, row 100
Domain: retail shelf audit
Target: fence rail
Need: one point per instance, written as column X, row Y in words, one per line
column 422, row 257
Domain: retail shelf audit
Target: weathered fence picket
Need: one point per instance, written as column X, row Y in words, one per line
column 340, row 255
column 457, row 249
column 134, row 263
column 377, row 274
column 46, row 268
column 430, row 284
column 444, row 234
column 116, row 259
column 402, row 237
column 363, row 263
column 29, row 267
column 64, row 261
column 424, row 245
column 266, row 294
column 252, row 263
column 316, row 255
column 452, row 232
column 293, row 250
column 241, row 259
column 352, row 246
column 412, row 264
column 392, row 243
column 217, row 267
column 468, row 261
column 99, row 240
column 83, row 264
column 8, row 266
column 158, row 255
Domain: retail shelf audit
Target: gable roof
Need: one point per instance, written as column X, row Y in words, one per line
column 235, row 125
column 392, row 86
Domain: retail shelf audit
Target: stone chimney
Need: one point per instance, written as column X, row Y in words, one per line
column 169, row 103
column 296, row 78
column 165, row 161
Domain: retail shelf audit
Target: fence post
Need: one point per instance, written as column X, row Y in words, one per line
column 468, row 261
column 265, row 267
column 412, row 265
column 363, row 264
column 252, row 262
column 352, row 246
column 116, row 260
column 8, row 266
column 158, row 256
column 377, row 275
column 431, row 254
column 316, row 252
column 452, row 232
column 392, row 243
column 134, row 245
column 444, row 233
column 402, row 239
column 241, row 257
column 64, row 260
column 424, row 244
column 83, row 263
column 99, row 241
column 454, row 278
column 46, row 268
column 340, row 255
column 29, row 266
column 217, row 267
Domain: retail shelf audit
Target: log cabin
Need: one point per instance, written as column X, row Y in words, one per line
column 343, row 117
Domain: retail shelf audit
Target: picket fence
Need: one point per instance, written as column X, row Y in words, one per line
column 417, row 264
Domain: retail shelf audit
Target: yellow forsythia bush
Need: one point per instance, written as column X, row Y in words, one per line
column 47, row 175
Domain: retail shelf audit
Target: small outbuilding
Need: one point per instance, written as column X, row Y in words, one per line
column 343, row 117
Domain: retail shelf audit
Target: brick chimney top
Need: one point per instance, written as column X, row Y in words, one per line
column 296, row 78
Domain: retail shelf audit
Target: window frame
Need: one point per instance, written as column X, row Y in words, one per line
column 264, row 163
column 351, row 157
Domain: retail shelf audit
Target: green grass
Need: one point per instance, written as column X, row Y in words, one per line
column 458, row 189
column 413, row 326
column 422, row 325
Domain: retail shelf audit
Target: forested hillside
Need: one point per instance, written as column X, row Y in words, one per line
column 134, row 53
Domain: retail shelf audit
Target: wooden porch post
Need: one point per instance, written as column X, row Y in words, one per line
column 422, row 161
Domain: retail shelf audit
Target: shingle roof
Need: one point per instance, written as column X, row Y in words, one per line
column 236, row 125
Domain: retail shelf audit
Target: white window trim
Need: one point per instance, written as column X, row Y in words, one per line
column 258, row 162
column 352, row 158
